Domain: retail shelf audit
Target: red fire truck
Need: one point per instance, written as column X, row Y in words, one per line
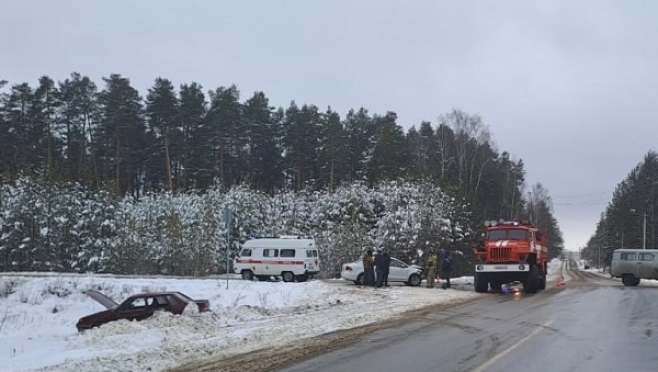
column 511, row 251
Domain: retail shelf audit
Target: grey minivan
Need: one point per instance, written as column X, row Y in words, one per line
column 631, row 265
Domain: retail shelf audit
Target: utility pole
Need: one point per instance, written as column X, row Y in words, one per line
column 644, row 228
column 644, row 232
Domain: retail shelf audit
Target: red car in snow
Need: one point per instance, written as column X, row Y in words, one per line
column 138, row 307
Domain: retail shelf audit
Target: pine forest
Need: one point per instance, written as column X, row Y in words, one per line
column 98, row 178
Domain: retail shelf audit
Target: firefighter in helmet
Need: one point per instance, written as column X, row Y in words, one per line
column 432, row 261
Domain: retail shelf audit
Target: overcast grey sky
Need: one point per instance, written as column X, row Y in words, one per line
column 569, row 87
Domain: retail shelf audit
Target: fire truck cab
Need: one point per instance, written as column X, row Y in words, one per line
column 511, row 251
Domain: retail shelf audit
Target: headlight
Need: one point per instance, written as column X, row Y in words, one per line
column 521, row 267
column 479, row 267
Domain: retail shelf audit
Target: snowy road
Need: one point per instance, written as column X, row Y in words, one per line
column 594, row 324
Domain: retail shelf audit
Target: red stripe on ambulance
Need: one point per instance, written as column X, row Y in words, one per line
column 270, row 262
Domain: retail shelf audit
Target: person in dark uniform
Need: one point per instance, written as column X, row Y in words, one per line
column 387, row 266
column 446, row 269
column 379, row 268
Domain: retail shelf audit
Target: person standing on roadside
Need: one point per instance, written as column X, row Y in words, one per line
column 379, row 268
column 368, row 269
column 387, row 266
column 446, row 269
column 431, row 273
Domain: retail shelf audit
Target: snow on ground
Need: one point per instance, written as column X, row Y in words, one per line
column 38, row 316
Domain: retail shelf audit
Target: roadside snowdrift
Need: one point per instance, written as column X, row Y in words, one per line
column 38, row 316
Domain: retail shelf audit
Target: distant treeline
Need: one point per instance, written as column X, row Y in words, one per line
column 630, row 219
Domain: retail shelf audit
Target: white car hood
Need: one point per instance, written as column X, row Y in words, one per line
column 102, row 299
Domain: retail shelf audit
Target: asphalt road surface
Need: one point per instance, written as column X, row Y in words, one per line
column 592, row 324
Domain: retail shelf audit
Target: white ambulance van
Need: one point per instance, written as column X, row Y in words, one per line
column 291, row 258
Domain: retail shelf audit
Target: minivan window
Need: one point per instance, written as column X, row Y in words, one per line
column 646, row 256
column 287, row 253
column 270, row 253
column 628, row 256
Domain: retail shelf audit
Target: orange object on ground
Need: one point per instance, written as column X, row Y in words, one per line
column 560, row 281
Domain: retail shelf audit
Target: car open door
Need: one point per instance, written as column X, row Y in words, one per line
column 102, row 299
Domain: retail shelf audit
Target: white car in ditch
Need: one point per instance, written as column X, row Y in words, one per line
column 398, row 272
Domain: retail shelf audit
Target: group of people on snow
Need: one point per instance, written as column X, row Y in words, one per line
column 376, row 268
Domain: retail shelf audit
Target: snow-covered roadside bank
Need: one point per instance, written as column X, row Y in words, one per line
column 38, row 316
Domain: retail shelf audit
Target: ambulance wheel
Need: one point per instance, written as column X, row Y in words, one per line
column 302, row 278
column 287, row 276
column 359, row 279
column 247, row 275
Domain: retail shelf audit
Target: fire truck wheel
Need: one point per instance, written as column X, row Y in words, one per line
column 287, row 276
column 531, row 285
column 542, row 282
column 247, row 275
column 495, row 285
column 481, row 285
